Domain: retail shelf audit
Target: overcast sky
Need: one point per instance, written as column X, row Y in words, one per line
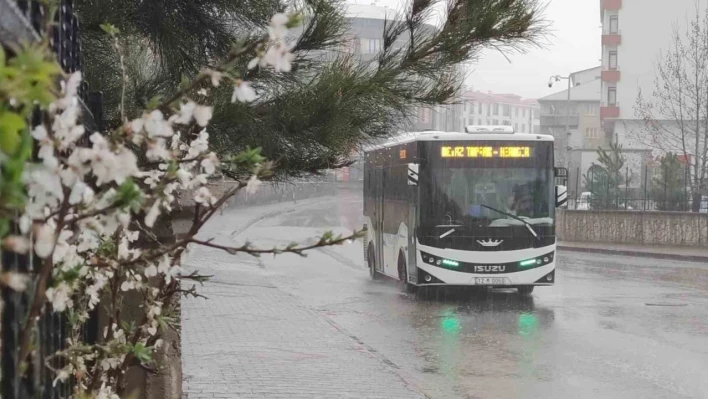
column 574, row 46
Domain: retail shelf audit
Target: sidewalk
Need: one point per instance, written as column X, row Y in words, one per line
column 690, row 254
column 251, row 339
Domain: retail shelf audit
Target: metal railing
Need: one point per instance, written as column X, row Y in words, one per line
column 22, row 21
column 643, row 190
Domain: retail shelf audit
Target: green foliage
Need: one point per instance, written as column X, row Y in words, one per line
column 313, row 117
column 141, row 352
column 607, row 180
column 669, row 187
column 27, row 80
column 129, row 196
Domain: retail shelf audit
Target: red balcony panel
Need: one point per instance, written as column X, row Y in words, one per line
column 611, row 111
column 612, row 39
column 610, row 5
column 610, row 76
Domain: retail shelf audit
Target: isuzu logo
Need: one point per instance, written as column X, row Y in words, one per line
column 489, row 243
column 490, row 268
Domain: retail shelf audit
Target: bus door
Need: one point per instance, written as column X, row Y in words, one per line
column 379, row 177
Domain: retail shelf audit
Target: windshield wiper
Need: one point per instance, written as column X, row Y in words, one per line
column 527, row 224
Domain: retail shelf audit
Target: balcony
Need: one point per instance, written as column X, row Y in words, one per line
column 609, row 111
column 610, row 38
column 610, row 5
column 558, row 120
column 610, row 76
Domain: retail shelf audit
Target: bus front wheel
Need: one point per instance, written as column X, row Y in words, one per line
column 525, row 289
column 371, row 260
column 403, row 275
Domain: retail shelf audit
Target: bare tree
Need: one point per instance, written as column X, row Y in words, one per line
column 676, row 115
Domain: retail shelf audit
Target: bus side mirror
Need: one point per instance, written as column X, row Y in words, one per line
column 561, row 196
column 413, row 174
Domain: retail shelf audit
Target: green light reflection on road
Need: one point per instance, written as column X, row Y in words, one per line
column 450, row 324
column 527, row 323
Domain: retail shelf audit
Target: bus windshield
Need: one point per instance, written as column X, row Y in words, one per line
column 477, row 190
column 487, row 197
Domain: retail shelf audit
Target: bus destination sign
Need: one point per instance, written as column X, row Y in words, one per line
column 484, row 152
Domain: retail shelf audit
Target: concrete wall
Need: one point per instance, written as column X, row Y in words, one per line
column 628, row 227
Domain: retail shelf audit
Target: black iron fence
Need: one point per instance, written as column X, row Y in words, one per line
column 24, row 21
column 659, row 188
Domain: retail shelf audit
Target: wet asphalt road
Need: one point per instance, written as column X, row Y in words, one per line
column 611, row 327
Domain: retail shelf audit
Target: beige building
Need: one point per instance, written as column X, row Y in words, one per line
column 576, row 148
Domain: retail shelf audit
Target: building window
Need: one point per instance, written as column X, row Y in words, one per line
column 495, row 122
column 496, row 109
column 612, row 96
column 517, row 111
column 591, row 109
column 479, row 109
column 613, row 61
column 523, row 112
column 506, row 123
column 374, row 46
column 489, row 109
column 591, row 132
column 516, row 127
column 506, row 109
column 535, row 113
column 614, row 24
column 471, row 107
column 479, row 121
column 523, row 128
column 364, row 44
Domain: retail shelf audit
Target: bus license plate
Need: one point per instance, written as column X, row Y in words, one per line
column 490, row 281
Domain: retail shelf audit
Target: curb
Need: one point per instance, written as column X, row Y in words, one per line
column 622, row 252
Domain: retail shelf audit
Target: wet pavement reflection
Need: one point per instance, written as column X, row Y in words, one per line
column 612, row 327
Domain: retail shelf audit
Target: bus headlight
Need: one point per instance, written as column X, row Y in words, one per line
column 535, row 262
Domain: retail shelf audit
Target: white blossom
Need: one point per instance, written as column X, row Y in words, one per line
column 106, row 393
column 60, row 297
column 152, row 214
column 243, row 92
column 44, row 241
column 215, row 78
column 80, row 193
column 110, row 363
column 157, row 150
column 209, row 163
column 204, row 196
column 183, row 176
column 280, row 57
column 186, row 112
column 62, row 376
column 16, row 244
column 151, row 271
column 136, row 125
column 156, row 126
column 16, row 281
column 25, row 224
column 202, row 114
column 253, row 184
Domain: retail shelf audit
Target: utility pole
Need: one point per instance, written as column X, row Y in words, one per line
column 557, row 78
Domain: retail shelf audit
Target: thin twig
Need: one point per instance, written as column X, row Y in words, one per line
column 298, row 250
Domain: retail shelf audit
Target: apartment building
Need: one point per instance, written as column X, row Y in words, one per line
column 480, row 108
column 634, row 32
column 580, row 113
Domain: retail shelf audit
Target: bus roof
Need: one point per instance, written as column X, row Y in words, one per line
column 454, row 136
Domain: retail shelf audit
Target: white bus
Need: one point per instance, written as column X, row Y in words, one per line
column 464, row 209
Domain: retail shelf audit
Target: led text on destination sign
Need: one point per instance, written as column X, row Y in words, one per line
column 485, row 152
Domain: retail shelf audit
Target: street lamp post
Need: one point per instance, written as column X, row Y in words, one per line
column 557, row 78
